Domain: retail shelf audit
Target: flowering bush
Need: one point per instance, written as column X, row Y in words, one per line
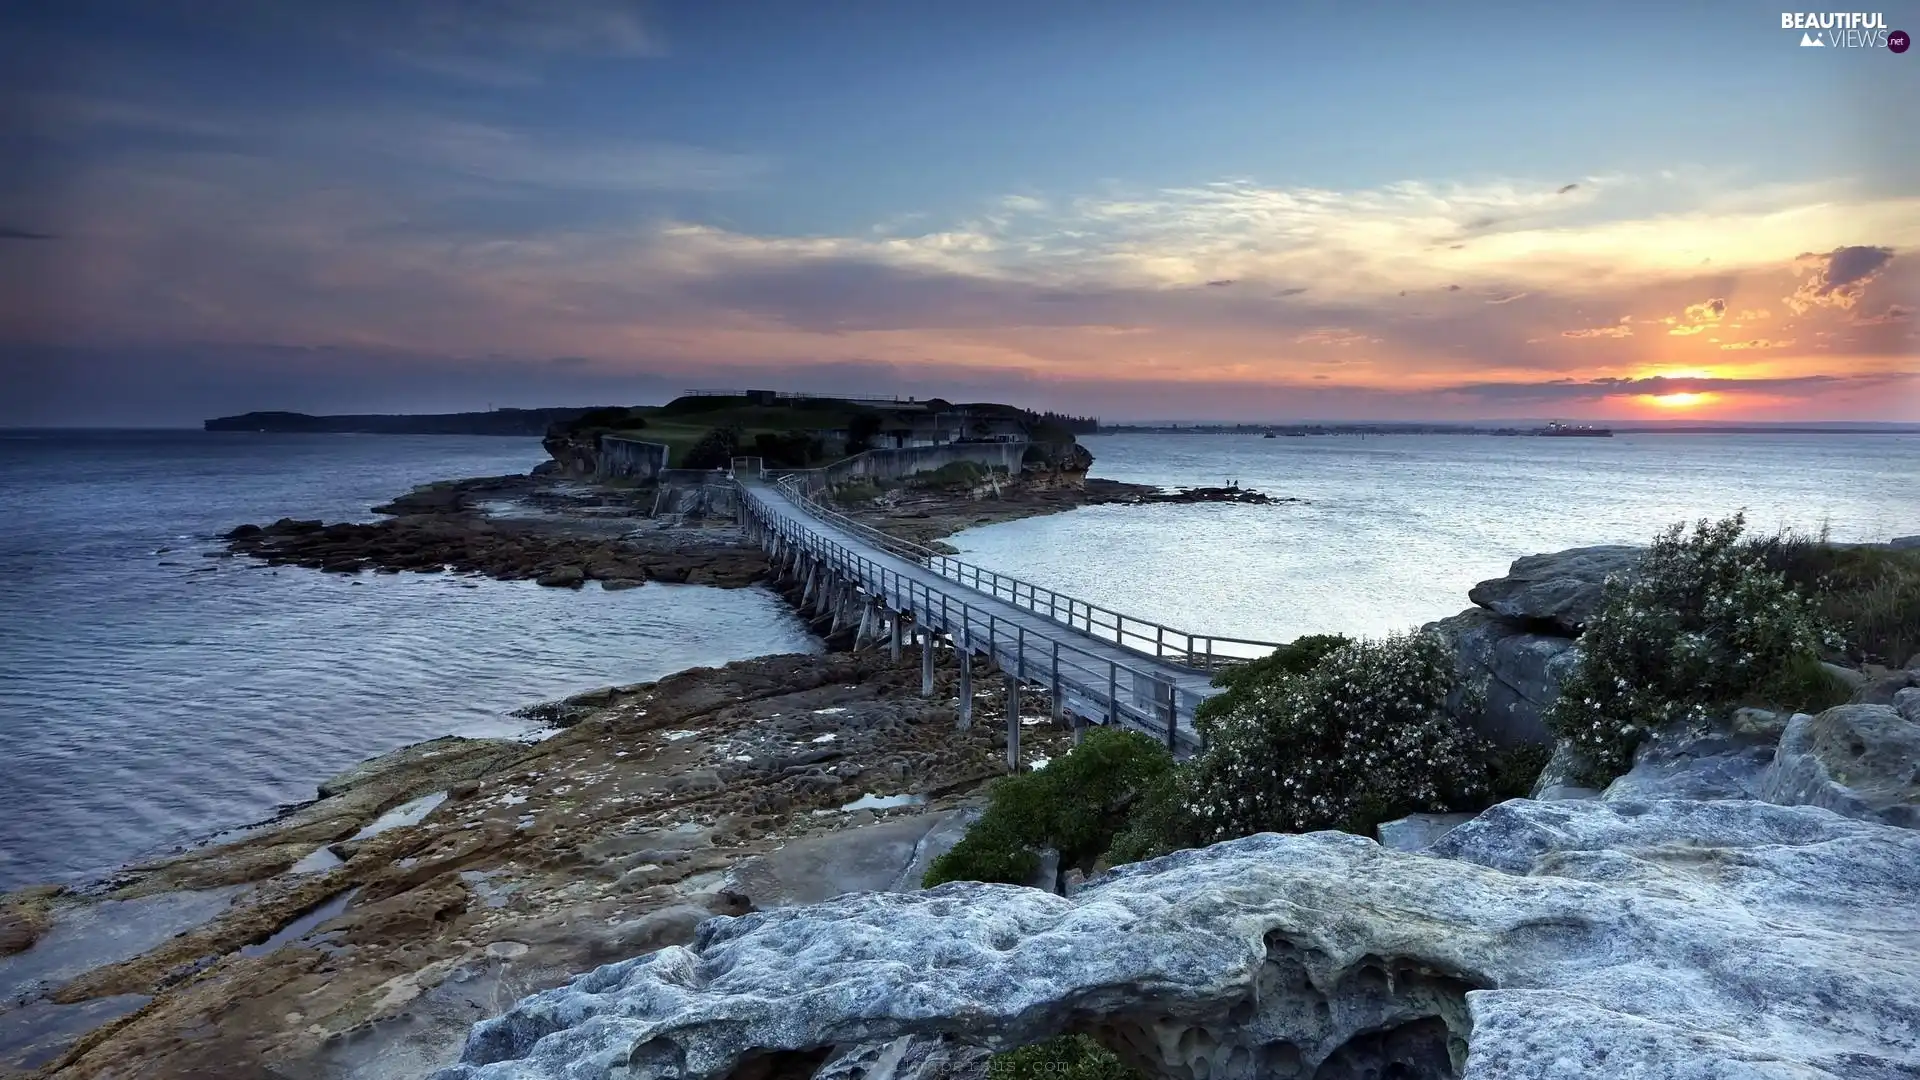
column 1702, row 624
column 1358, row 739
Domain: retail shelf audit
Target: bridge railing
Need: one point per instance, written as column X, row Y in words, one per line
column 1206, row 652
column 1086, row 683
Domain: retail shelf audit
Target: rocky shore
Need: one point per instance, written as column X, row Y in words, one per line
column 926, row 517
column 362, row 933
column 550, row 530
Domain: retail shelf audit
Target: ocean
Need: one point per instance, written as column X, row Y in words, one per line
column 1397, row 528
column 150, row 696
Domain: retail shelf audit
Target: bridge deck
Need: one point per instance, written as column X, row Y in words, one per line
column 1092, row 678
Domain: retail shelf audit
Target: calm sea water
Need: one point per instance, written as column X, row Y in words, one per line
column 1398, row 528
column 150, row 695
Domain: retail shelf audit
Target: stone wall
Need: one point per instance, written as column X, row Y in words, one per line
column 695, row 493
column 629, row 459
column 901, row 463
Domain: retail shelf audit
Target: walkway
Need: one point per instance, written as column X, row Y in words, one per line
column 1093, row 662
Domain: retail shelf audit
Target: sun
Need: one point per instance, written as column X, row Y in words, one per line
column 1680, row 401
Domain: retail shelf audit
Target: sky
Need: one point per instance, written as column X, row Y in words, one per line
column 1217, row 210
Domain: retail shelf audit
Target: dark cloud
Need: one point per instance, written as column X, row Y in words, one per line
column 1221, row 283
column 1453, row 288
column 1567, row 188
column 1507, row 298
column 8, row 232
column 1838, row 278
column 1588, row 390
column 1455, row 247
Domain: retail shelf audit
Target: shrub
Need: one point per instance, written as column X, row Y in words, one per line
column 1296, row 658
column 789, row 449
column 1359, row 738
column 715, row 450
column 1063, row 1057
column 1701, row 625
column 1075, row 805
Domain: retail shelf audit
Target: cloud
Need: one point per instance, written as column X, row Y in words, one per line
column 1335, row 335
column 1838, row 278
column 1508, row 298
column 1221, row 283
column 1599, row 332
column 1567, row 188
column 1895, row 313
column 1687, row 331
column 9, row 232
column 1758, row 343
column 498, row 43
column 1708, row 312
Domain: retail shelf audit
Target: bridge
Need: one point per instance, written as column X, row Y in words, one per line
column 1097, row 665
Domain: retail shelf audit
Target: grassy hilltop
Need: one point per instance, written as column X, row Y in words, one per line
column 801, row 432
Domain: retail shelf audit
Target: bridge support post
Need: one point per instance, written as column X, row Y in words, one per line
column 1013, row 723
column 1166, row 692
column 866, row 620
column 893, row 635
column 965, row 653
column 806, row 594
column 926, row 662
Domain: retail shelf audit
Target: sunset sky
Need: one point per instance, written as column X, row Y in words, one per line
column 1248, row 211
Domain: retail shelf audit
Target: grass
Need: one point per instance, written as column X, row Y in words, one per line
column 1870, row 595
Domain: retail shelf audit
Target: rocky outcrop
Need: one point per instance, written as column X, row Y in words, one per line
column 1048, row 465
column 1859, row 760
column 1519, row 672
column 1558, row 591
column 1622, row 939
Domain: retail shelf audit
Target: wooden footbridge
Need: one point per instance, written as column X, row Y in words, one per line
column 1097, row 665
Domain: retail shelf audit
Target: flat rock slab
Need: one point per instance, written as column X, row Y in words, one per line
column 887, row 856
column 1657, row 940
column 1561, row 589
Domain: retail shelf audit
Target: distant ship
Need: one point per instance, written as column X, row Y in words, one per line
column 1271, row 435
column 1578, row 430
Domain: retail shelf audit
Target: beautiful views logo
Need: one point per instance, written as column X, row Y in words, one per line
column 1845, row 30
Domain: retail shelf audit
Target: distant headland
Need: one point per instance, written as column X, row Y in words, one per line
column 494, row 422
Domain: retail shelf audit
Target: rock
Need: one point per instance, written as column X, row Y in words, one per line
column 1546, row 940
column 1694, row 765
column 1862, row 761
column 1880, row 690
column 617, row 584
column 1560, row 590
column 1417, row 832
column 562, row 577
column 1520, row 671
column 907, row 1058
column 1557, row 782
column 1759, row 724
column 1072, row 882
column 1907, row 704
column 1904, row 543
column 1046, row 871
column 1845, row 676
column 887, row 856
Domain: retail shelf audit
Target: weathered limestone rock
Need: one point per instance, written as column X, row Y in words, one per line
column 1859, row 760
column 1907, row 704
column 1619, row 939
column 1706, row 764
column 1560, row 779
column 1881, row 689
column 1520, row 671
column 890, row 855
column 1561, row 589
column 1417, row 832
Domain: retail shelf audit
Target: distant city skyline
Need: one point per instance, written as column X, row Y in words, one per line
column 1232, row 211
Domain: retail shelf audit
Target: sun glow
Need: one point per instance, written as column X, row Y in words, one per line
column 1679, row 401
